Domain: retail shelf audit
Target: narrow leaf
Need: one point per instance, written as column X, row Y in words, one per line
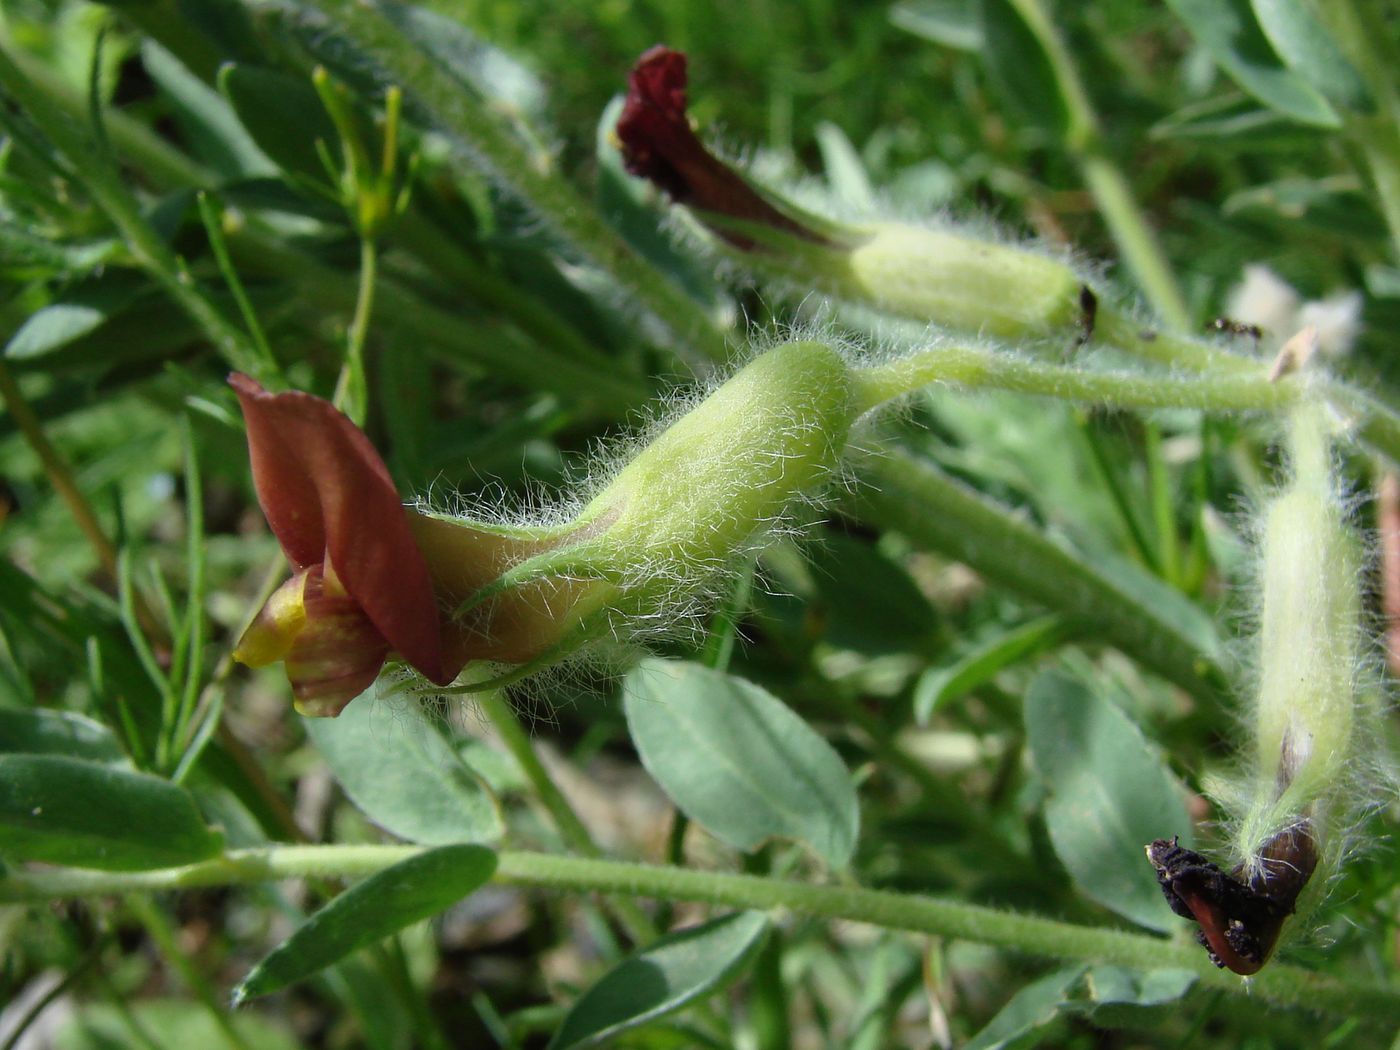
column 383, row 904
column 1031, row 1010
column 1309, row 50
column 45, row 732
column 282, row 114
column 1019, row 67
column 952, row 23
column 1110, row 795
column 942, row 685
column 397, row 768
column 676, row 970
column 70, row 811
column 737, row 760
column 1228, row 31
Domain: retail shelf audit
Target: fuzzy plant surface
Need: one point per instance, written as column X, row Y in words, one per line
column 857, row 525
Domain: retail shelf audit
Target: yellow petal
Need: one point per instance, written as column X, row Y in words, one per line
column 270, row 636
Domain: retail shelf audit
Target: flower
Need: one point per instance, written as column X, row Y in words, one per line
column 659, row 144
column 361, row 587
column 933, row 275
column 371, row 576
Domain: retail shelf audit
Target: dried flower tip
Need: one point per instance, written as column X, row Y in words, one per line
column 658, row 144
column 1239, row 921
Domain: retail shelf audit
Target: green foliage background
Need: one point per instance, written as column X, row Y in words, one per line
column 531, row 300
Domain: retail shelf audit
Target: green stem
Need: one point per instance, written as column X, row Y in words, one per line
column 1115, row 327
column 352, row 389
column 1235, row 390
column 571, row 828
column 478, row 134
column 1281, row 984
column 977, row 367
column 1126, row 222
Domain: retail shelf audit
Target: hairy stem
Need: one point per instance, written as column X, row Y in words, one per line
column 1032, row 935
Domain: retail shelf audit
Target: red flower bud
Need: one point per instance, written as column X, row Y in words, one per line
column 659, row 144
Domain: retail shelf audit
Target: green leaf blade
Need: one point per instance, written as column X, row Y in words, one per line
column 1227, row 29
column 676, row 970
column 408, row 892
column 399, row 771
column 65, row 810
column 738, row 761
column 1110, row 795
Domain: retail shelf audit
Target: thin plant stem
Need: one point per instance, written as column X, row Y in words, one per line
column 352, row 389
column 211, row 213
column 1029, row 934
column 976, row 367
column 158, row 928
column 58, row 472
column 1121, row 212
column 469, row 124
column 571, row 828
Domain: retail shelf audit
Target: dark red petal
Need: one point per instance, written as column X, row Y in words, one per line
column 659, row 144
column 328, row 496
column 337, row 654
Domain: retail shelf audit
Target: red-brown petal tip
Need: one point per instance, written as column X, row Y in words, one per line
column 658, row 144
column 328, row 498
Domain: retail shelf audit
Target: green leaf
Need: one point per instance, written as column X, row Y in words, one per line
column 1117, row 997
column 207, row 120
column 1028, row 1012
column 70, row 811
column 1309, row 50
column 1118, row 985
column 25, row 253
column 1019, row 68
column 845, row 171
column 952, row 23
column 942, row 685
column 1110, row 795
column 1125, row 609
column 411, row 891
column 487, row 70
column 735, row 759
column 1228, row 31
column 677, row 969
column 284, row 116
column 397, row 768
column 83, row 309
column 45, row 732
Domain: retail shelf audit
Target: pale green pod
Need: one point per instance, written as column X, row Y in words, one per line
column 957, row 281
column 732, row 465
column 1309, row 645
